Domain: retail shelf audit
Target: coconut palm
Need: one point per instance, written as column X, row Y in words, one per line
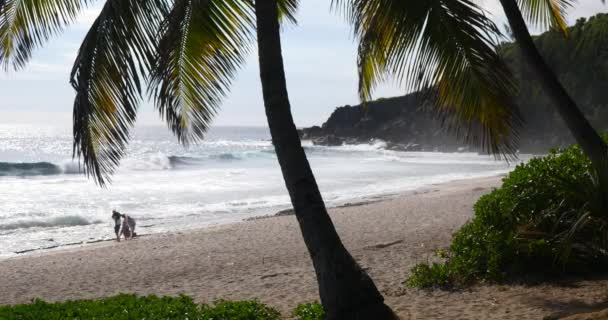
column 186, row 53
column 387, row 30
column 346, row 291
column 445, row 48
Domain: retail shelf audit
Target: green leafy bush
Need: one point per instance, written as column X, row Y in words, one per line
column 548, row 217
column 131, row 307
column 238, row 310
column 426, row 275
column 121, row 307
column 309, row 311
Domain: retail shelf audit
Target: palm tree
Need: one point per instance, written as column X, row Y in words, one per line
column 187, row 52
column 446, row 49
column 385, row 51
column 346, row 291
column 545, row 13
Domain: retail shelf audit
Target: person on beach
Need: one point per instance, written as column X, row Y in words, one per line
column 126, row 228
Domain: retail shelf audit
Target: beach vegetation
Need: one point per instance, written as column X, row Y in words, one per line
column 547, row 218
column 442, row 50
column 447, row 51
column 120, row 307
column 187, row 53
column 579, row 64
column 129, row 307
column 309, row 311
column 518, row 14
column 238, row 310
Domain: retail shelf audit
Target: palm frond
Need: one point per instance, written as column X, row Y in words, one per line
column 287, row 10
column 547, row 13
column 203, row 43
column 118, row 49
column 27, row 24
column 445, row 48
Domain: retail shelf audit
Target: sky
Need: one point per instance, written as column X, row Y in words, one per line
column 319, row 55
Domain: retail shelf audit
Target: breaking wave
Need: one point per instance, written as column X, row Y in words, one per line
column 65, row 221
column 153, row 163
column 26, row 169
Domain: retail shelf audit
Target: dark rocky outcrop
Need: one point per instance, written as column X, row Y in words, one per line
column 400, row 121
column 406, row 123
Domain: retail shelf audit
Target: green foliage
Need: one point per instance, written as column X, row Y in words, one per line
column 547, row 13
column 425, row 275
column 238, row 310
column 446, row 45
column 581, row 63
column 132, row 307
column 185, row 52
column 546, row 218
column 202, row 45
column 121, row 307
column 309, row 311
column 25, row 25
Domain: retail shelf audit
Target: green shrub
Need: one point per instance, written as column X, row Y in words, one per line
column 131, row 307
column 425, row 275
column 548, row 217
column 238, row 310
column 309, row 311
column 121, row 307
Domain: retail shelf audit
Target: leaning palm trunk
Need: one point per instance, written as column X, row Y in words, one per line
column 346, row 291
column 589, row 140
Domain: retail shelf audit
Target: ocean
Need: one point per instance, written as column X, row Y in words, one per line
column 46, row 201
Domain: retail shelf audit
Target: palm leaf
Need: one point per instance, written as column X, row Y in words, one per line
column 287, row 10
column 26, row 24
column 547, row 13
column 119, row 47
column 203, row 43
column 445, row 48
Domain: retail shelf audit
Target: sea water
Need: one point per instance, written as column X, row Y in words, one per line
column 46, row 201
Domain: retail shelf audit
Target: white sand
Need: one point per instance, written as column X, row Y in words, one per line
column 266, row 259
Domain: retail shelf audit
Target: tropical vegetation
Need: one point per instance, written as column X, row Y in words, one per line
column 128, row 306
column 242, row 310
column 430, row 44
column 546, row 219
column 186, row 52
column 552, row 13
column 580, row 63
column 308, row 311
column 121, row 307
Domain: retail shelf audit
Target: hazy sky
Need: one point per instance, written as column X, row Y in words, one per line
column 319, row 57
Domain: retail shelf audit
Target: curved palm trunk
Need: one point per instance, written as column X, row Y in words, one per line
column 346, row 291
column 589, row 140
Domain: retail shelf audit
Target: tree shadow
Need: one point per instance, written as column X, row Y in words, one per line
column 561, row 309
column 571, row 282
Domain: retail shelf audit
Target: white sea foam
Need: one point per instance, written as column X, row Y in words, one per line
column 232, row 175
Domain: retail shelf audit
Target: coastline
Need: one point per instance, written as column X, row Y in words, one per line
column 285, row 212
column 266, row 259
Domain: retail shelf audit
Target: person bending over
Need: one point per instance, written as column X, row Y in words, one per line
column 126, row 228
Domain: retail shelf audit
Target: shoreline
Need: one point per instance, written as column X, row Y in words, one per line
column 266, row 259
column 284, row 212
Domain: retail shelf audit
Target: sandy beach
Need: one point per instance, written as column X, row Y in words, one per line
column 266, row 259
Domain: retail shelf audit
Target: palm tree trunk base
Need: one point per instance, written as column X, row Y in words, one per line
column 377, row 311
